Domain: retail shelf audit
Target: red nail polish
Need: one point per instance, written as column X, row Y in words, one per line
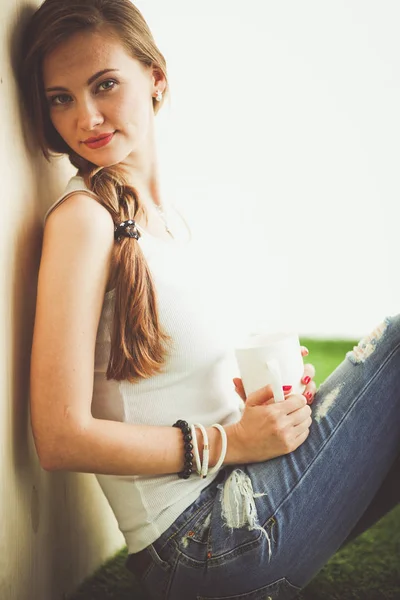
column 286, row 388
column 308, row 395
column 307, row 380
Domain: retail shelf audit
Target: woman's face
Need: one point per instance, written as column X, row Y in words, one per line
column 99, row 97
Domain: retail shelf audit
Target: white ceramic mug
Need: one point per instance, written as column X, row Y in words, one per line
column 271, row 359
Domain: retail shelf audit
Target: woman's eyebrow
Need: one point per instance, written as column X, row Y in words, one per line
column 89, row 81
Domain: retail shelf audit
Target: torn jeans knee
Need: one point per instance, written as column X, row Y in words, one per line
column 367, row 345
column 357, row 356
column 238, row 508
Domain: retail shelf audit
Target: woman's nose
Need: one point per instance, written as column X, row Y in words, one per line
column 89, row 116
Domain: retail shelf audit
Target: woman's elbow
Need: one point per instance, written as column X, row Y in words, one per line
column 48, row 463
column 48, row 459
column 56, row 449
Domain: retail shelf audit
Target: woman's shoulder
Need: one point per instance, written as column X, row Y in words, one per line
column 75, row 184
column 80, row 219
column 79, row 238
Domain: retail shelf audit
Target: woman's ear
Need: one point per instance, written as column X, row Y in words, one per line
column 159, row 81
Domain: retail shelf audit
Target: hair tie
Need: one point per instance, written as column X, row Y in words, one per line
column 126, row 229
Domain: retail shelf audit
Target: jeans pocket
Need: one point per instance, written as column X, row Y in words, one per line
column 281, row 589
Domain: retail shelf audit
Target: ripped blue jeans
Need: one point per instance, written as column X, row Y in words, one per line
column 263, row 531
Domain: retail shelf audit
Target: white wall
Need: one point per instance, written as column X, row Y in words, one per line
column 55, row 528
column 284, row 123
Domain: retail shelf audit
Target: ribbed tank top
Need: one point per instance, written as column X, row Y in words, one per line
column 196, row 384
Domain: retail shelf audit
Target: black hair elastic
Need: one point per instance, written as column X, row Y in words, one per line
column 188, row 447
column 126, row 229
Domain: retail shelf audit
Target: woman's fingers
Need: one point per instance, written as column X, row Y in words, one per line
column 311, row 388
column 307, row 380
column 239, row 389
column 309, row 371
column 301, row 416
column 302, row 436
column 310, row 391
column 303, row 426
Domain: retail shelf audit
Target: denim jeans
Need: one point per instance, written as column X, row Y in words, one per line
column 263, row 530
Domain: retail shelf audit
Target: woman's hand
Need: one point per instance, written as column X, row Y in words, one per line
column 267, row 428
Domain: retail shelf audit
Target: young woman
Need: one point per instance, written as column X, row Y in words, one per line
column 129, row 343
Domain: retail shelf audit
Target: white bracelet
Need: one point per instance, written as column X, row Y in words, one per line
column 221, row 459
column 195, row 449
column 206, row 451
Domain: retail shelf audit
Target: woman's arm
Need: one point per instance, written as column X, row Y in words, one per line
column 75, row 267
column 75, row 264
column 74, row 270
column 111, row 447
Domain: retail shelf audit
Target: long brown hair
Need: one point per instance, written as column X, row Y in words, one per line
column 138, row 343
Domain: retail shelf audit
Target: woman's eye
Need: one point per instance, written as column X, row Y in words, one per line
column 106, row 85
column 60, row 99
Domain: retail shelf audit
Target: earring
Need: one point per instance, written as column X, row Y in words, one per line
column 159, row 96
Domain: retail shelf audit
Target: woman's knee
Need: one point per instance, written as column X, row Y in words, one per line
column 387, row 331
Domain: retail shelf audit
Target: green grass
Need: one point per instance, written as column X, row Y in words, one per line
column 326, row 355
column 366, row 569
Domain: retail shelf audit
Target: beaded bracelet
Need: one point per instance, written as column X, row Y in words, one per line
column 188, row 447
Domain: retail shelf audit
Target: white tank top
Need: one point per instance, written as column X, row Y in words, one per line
column 196, row 384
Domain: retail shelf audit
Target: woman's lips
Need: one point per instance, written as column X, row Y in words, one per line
column 99, row 142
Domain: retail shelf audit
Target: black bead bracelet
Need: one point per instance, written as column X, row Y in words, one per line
column 188, row 447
